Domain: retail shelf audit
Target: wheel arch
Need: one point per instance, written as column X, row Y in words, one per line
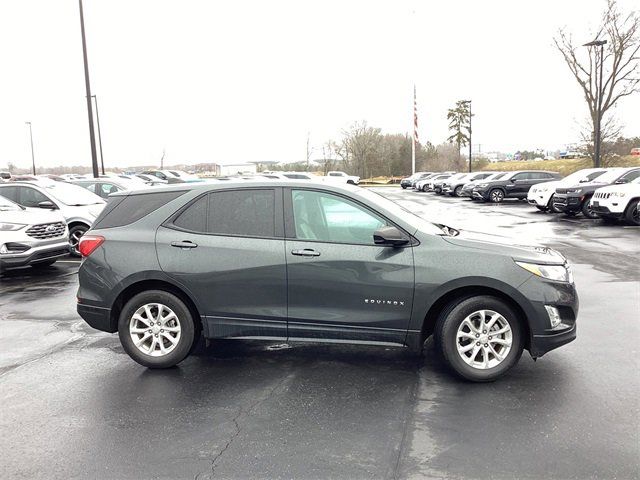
column 154, row 284
column 461, row 293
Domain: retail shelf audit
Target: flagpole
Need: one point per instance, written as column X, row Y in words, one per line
column 415, row 132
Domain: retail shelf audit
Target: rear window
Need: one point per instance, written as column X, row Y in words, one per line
column 121, row 211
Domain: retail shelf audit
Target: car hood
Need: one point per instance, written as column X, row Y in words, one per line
column 621, row 187
column 547, row 185
column 505, row 246
column 31, row 216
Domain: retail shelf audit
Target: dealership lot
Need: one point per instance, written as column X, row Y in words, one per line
column 74, row 405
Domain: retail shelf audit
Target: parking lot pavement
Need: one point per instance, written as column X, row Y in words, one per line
column 74, row 405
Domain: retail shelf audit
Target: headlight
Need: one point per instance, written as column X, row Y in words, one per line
column 10, row 227
column 482, row 185
column 574, row 190
column 558, row 273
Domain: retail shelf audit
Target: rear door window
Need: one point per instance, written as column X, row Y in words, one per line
column 246, row 212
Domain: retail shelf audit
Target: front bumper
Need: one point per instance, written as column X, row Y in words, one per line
column 563, row 296
column 34, row 255
column 605, row 211
column 479, row 194
column 567, row 203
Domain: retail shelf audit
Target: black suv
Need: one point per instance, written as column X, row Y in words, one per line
column 300, row 261
column 577, row 198
column 513, row 185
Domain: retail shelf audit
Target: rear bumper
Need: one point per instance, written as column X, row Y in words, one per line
column 97, row 317
column 34, row 255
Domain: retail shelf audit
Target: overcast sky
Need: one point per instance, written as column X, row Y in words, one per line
column 234, row 81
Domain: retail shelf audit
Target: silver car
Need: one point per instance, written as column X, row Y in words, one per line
column 30, row 236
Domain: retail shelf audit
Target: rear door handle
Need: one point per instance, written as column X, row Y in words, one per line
column 185, row 244
column 307, row 252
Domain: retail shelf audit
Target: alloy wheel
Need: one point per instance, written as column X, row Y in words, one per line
column 155, row 329
column 74, row 239
column 484, row 339
column 497, row 196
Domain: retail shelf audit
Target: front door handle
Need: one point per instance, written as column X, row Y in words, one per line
column 307, row 252
column 185, row 244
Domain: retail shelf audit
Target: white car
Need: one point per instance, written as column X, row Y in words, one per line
column 618, row 202
column 341, row 177
column 78, row 206
column 426, row 185
column 541, row 194
column 30, row 236
column 103, row 187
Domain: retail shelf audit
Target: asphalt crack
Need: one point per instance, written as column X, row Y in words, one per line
column 238, row 428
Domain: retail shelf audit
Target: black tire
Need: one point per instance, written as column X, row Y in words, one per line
column 404, row 187
column 632, row 214
column 48, row 263
column 186, row 322
column 587, row 211
column 496, row 195
column 570, row 214
column 424, row 188
column 457, row 191
column 75, row 233
column 542, row 209
column 551, row 207
column 446, row 333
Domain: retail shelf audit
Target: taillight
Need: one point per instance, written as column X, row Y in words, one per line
column 88, row 243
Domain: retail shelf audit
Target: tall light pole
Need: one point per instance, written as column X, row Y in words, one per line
column 599, row 92
column 99, row 134
column 92, row 135
column 468, row 102
column 33, row 157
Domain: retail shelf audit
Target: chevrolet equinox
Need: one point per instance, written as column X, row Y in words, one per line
column 294, row 261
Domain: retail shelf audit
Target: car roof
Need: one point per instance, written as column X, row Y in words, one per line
column 241, row 184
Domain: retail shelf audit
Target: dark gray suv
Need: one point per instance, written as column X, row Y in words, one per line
column 299, row 261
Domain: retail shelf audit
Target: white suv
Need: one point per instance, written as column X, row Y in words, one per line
column 341, row 177
column 618, row 201
column 78, row 206
column 30, row 236
column 541, row 195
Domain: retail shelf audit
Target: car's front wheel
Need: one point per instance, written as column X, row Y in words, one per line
column 75, row 234
column 632, row 214
column 496, row 195
column 156, row 329
column 457, row 192
column 480, row 338
column 587, row 211
column 552, row 208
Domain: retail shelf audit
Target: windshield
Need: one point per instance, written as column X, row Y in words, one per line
column 72, row 194
column 610, row 176
column 418, row 223
column 7, row 205
column 582, row 174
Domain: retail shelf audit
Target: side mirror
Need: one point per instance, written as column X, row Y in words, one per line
column 584, row 180
column 389, row 236
column 47, row 204
column 621, row 181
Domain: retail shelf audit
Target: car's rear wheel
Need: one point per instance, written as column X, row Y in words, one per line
column 75, row 234
column 632, row 214
column 458, row 191
column 156, row 329
column 496, row 195
column 480, row 338
column 587, row 211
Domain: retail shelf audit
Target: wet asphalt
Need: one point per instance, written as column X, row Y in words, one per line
column 73, row 405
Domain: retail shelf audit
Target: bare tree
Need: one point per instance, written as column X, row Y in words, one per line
column 621, row 74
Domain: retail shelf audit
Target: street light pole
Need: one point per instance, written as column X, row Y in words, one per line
column 99, row 134
column 33, row 158
column 92, row 135
column 597, row 141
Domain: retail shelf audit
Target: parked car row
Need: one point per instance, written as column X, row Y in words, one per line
column 607, row 193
